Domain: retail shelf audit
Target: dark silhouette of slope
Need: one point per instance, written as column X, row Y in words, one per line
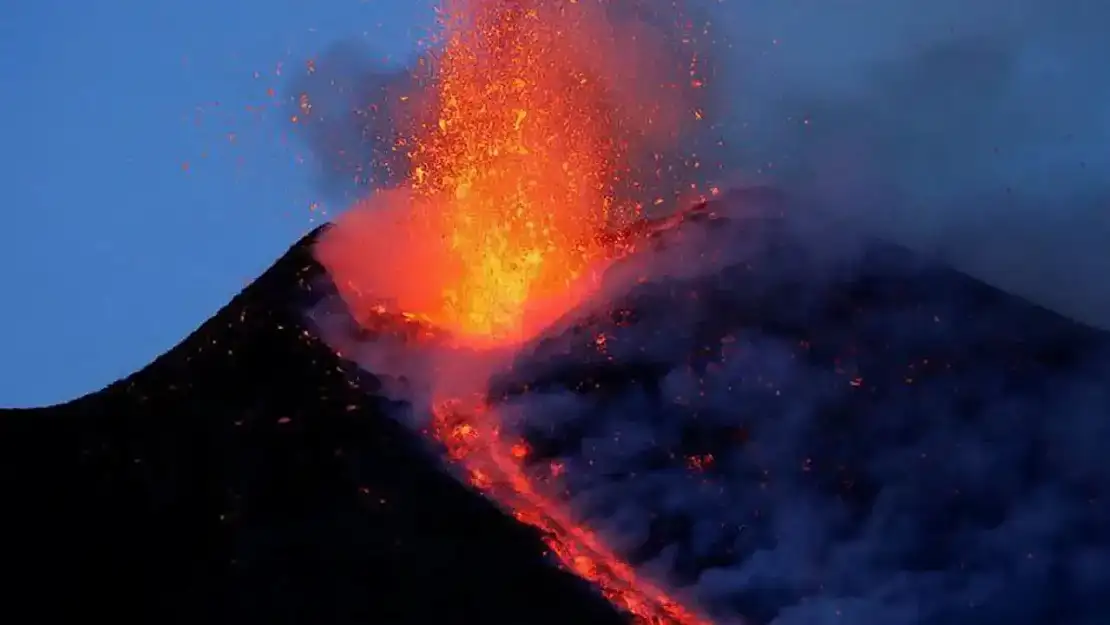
column 241, row 478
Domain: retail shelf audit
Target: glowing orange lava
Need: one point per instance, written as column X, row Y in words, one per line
column 530, row 125
column 518, row 164
column 519, row 171
column 519, row 147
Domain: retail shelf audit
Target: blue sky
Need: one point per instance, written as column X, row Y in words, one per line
column 115, row 249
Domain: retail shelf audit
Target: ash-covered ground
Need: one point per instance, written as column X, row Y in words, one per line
column 795, row 426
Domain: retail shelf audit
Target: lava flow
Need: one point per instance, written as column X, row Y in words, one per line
column 519, row 150
column 470, row 429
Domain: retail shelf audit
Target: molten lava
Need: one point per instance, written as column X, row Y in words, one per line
column 519, row 147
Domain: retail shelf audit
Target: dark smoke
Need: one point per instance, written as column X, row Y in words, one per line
column 975, row 131
column 800, row 428
column 352, row 121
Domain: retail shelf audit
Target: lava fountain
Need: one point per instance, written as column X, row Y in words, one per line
column 525, row 140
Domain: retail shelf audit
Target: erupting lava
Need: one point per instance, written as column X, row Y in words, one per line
column 519, row 143
column 519, row 151
column 518, row 164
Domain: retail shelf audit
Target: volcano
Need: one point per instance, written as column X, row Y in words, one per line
column 779, row 421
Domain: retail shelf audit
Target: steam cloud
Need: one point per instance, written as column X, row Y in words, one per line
column 894, row 465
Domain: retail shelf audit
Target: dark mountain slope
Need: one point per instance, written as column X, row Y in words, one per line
column 240, row 478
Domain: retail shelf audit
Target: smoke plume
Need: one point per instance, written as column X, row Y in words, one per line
column 782, row 420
